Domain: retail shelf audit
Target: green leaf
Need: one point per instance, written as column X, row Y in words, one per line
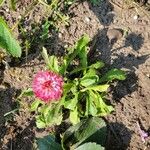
column 54, row 63
column 103, row 108
column 93, row 95
column 90, row 106
column 80, row 45
column 7, row 41
column 45, row 56
column 90, row 72
column 35, row 105
column 51, row 62
column 99, row 88
column 44, row 109
column 97, row 65
column 48, row 143
column 13, row 4
column 63, row 67
column 88, row 81
column 27, row 92
column 71, row 104
column 88, row 130
column 90, row 146
column 67, row 86
column 52, row 118
column 40, row 122
column 89, row 78
column 50, row 114
column 113, row 74
column 83, row 57
column 45, row 30
column 41, row 119
column 74, row 118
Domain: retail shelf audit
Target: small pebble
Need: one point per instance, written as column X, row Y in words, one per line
column 115, row 21
column 25, row 30
column 7, row 9
column 87, row 19
column 148, row 75
column 135, row 17
column 114, row 34
column 19, row 17
column 66, row 46
column 60, row 35
column 139, row 55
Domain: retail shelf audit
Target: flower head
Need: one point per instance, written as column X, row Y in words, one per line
column 47, row 86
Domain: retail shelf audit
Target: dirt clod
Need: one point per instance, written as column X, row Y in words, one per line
column 114, row 34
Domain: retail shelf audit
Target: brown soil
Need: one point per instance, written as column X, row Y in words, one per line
column 131, row 97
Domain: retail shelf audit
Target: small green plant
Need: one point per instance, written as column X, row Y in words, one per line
column 57, row 16
column 72, row 85
column 7, row 41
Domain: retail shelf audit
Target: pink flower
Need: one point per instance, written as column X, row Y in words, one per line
column 47, row 86
column 142, row 133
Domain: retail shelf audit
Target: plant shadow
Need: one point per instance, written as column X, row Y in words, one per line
column 134, row 40
column 101, row 48
column 104, row 12
column 119, row 136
